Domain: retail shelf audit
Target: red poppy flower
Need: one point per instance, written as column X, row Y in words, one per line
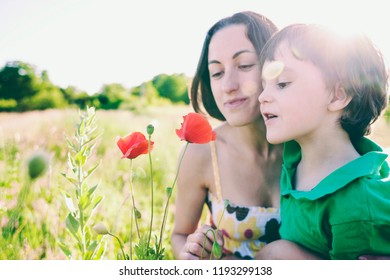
column 133, row 145
column 196, row 129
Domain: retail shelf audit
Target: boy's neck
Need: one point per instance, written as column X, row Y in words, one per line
column 322, row 156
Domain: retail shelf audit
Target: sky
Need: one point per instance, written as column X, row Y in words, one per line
column 90, row 43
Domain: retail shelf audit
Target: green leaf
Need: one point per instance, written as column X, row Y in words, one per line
column 69, row 203
column 91, row 170
column 71, row 162
column 65, row 249
column 88, row 235
column 88, row 149
column 72, row 224
column 71, row 145
column 70, row 179
column 87, row 255
column 92, row 138
column 80, row 159
column 81, row 128
column 84, row 201
column 92, row 246
column 99, row 251
column 92, row 190
column 168, row 191
column 96, row 201
column 84, row 188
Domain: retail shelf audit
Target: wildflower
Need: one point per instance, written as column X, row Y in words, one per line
column 196, row 129
column 133, row 145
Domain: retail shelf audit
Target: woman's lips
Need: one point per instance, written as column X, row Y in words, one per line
column 235, row 103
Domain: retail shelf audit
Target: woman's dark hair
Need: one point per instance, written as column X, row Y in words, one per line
column 259, row 30
column 353, row 62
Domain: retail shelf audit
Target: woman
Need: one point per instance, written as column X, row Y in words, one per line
column 227, row 84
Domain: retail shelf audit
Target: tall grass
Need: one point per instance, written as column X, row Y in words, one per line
column 42, row 223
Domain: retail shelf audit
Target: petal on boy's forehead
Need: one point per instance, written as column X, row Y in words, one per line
column 273, row 69
column 296, row 53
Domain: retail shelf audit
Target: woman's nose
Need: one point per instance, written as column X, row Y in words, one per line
column 230, row 83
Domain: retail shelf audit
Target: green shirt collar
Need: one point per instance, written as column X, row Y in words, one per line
column 372, row 164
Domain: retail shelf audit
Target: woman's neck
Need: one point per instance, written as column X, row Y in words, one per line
column 252, row 137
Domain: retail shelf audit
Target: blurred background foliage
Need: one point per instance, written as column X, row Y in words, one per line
column 24, row 88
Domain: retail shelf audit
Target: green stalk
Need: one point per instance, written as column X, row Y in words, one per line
column 169, row 196
column 120, row 244
column 131, row 234
column 151, row 191
column 80, row 183
column 132, row 196
column 213, row 232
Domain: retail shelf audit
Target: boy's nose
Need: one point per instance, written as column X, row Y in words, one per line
column 264, row 96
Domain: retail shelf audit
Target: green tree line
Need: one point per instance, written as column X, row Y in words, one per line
column 24, row 88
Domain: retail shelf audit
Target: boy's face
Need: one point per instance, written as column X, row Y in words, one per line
column 295, row 98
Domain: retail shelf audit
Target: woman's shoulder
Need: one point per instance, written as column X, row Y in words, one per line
column 196, row 158
column 195, row 166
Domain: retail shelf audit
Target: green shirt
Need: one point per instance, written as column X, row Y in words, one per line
column 347, row 214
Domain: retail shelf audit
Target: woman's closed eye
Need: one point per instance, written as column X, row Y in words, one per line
column 216, row 75
column 246, row 66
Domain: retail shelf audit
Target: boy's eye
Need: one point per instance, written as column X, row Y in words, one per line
column 282, row 85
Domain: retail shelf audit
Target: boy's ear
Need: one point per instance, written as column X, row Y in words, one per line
column 339, row 98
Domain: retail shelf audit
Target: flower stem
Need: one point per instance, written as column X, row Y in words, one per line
column 131, row 234
column 120, row 244
column 214, row 231
column 132, row 196
column 169, row 196
column 151, row 192
column 204, row 242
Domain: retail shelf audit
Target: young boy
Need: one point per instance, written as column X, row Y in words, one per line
column 321, row 94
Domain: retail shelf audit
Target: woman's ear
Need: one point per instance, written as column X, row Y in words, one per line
column 339, row 98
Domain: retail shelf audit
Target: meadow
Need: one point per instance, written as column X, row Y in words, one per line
column 42, row 218
column 45, row 210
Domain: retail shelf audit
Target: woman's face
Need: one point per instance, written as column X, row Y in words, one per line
column 235, row 75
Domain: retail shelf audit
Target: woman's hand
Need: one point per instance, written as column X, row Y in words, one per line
column 199, row 244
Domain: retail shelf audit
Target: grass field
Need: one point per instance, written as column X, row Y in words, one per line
column 45, row 211
column 42, row 218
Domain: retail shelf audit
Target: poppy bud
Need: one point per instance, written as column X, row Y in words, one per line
column 150, row 129
column 100, row 229
column 37, row 164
